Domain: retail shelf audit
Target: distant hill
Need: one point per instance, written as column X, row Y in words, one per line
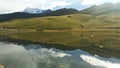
column 64, row 11
column 5, row 17
column 105, row 8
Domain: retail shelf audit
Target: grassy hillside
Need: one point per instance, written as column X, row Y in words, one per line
column 24, row 15
column 73, row 21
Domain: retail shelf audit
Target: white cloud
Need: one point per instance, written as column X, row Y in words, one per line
column 49, row 4
column 97, row 2
column 91, row 2
column 7, row 6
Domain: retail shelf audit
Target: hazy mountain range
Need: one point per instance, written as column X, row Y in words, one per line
column 35, row 12
column 102, row 9
column 26, row 14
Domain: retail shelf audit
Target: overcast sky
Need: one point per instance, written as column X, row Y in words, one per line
column 8, row 6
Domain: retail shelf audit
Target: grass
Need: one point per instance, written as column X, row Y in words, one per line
column 74, row 21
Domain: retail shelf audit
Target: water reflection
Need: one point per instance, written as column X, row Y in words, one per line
column 14, row 56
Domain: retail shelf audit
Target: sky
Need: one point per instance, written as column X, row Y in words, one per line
column 9, row 6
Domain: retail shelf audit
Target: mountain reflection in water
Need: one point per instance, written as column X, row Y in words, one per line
column 17, row 56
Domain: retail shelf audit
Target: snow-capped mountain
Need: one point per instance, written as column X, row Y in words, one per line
column 35, row 11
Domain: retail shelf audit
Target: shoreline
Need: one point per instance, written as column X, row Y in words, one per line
column 47, row 45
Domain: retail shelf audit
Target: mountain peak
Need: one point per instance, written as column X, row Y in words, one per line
column 35, row 10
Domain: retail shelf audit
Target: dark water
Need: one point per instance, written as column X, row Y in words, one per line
column 35, row 56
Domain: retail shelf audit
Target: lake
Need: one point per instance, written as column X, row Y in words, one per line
column 36, row 56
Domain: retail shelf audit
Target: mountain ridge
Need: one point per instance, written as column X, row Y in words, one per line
column 36, row 10
column 64, row 11
column 104, row 8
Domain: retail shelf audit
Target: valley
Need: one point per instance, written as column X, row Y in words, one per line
column 89, row 35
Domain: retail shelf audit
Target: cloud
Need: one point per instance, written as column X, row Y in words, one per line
column 7, row 6
column 97, row 2
column 91, row 2
column 53, row 4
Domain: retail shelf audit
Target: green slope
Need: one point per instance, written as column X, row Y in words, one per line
column 74, row 21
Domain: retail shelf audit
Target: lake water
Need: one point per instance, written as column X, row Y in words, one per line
column 36, row 56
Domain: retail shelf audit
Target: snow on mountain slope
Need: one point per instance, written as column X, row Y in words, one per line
column 35, row 11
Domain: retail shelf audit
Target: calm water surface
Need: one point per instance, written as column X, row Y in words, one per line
column 36, row 56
